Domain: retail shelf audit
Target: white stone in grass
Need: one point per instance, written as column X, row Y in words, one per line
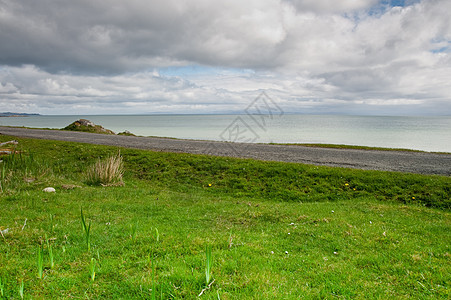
column 49, row 190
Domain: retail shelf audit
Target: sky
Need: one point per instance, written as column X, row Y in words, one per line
column 354, row 57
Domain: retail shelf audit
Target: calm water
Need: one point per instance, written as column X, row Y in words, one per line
column 421, row 133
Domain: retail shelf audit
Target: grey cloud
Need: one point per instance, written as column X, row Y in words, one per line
column 91, row 53
column 116, row 36
column 103, row 37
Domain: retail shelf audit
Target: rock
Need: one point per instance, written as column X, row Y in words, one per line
column 87, row 126
column 84, row 122
column 49, row 190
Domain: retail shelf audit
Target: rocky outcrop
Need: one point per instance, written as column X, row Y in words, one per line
column 87, row 126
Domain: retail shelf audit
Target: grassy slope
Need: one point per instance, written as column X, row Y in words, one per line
column 277, row 230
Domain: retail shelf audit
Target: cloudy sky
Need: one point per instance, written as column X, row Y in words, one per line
column 368, row 57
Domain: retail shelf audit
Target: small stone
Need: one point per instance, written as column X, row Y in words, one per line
column 272, row 252
column 335, row 252
column 49, row 190
column 286, row 252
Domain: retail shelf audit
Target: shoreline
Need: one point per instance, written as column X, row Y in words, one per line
column 311, row 145
column 366, row 159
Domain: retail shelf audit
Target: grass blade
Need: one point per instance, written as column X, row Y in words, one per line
column 134, row 228
column 87, row 229
column 49, row 247
column 157, row 234
column 21, row 288
column 92, row 269
column 208, row 264
column 51, row 223
column 40, row 262
column 2, row 288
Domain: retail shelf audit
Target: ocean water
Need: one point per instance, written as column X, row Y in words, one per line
column 418, row 133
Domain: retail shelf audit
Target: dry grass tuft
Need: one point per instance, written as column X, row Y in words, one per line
column 106, row 172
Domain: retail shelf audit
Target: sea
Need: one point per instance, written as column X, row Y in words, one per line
column 428, row 133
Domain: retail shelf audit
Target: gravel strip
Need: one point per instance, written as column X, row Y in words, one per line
column 402, row 161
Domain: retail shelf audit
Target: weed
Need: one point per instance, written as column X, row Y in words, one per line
column 92, row 269
column 86, row 229
column 106, row 172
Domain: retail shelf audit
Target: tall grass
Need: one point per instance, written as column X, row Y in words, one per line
column 19, row 168
column 86, row 229
column 106, row 171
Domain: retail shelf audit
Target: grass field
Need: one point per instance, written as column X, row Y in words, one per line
column 275, row 230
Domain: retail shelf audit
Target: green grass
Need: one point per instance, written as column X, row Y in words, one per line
column 342, row 146
column 275, row 230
